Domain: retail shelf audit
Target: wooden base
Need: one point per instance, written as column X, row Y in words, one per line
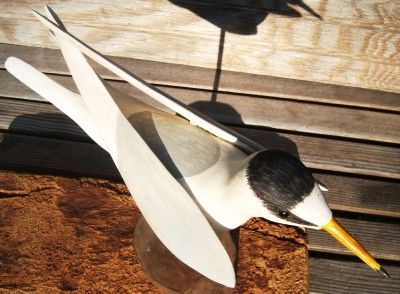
column 167, row 272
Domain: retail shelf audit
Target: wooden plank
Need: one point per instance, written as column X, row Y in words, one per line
column 379, row 236
column 274, row 113
column 346, row 193
column 54, row 155
column 332, row 154
column 349, row 276
column 356, row 45
column 44, row 119
column 357, row 194
column 38, row 118
column 50, row 61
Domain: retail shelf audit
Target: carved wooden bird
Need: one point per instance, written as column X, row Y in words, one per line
column 185, row 171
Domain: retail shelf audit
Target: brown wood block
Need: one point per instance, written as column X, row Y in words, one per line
column 76, row 234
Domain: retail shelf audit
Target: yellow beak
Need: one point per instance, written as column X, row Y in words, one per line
column 337, row 231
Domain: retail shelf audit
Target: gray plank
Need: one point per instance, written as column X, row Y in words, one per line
column 348, row 276
column 50, row 61
column 363, row 195
column 380, row 237
column 54, row 155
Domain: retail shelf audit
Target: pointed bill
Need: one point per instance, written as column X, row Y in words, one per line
column 167, row 207
column 187, row 112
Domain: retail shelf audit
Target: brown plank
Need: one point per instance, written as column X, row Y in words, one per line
column 44, row 119
column 349, row 276
column 381, row 237
column 357, row 194
column 346, row 193
column 256, row 111
column 356, row 45
column 161, row 73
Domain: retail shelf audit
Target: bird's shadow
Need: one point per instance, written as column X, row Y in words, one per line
column 226, row 113
column 243, row 16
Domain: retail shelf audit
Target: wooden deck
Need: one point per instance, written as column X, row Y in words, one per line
column 344, row 126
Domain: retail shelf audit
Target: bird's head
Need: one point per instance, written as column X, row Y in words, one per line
column 290, row 195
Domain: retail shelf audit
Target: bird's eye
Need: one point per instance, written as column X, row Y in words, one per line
column 283, row 214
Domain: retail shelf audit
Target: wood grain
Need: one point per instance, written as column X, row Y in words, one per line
column 257, row 111
column 19, row 152
column 350, row 44
column 358, row 194
column 379, row 237
column 44, row 119
column 350, row 276
column 336, row 155
column 346, row 193
column 161, row 73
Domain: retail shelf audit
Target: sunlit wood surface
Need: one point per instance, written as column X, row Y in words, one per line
column 351, row 43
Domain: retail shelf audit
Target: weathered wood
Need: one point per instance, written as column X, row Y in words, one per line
column 355, row 45
column 50, row 61
column 331, row 154
column 379, row 237
column 78, row 158
column 329, row 275
column 357, row 194
column 55, row 155
column 278, row 114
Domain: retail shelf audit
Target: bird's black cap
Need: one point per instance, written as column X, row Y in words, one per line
column 279, row 179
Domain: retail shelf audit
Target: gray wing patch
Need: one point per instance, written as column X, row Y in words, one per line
column 185, row 150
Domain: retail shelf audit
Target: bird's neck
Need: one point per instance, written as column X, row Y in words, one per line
column 242, row 199
column 230, row 200
column 227, row 197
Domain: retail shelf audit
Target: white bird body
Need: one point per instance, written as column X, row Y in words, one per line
column 209, row 168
